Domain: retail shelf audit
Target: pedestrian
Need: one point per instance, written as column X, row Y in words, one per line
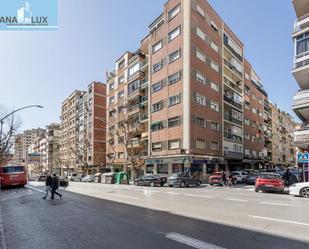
column 286, row 177
column 230, row 181
column 55, row 186
column 48, row 183
column 223, row 178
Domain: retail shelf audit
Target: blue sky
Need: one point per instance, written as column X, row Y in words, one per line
column 44, row 67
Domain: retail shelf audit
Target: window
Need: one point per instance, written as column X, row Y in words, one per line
column 200, row 122
column 174, row 33
column 254, row 96
column 174, row 56
column 253, row 124
column 156, row 67
column 174, row 100
column 157, row 106
column 200, row 33
column 112, row 86
column 200, row 55
column 214, row 146
column 199, row 99
column 121, row 79
column 121, row 155
column 173, row 122
column 172, row 79
column 133, row 86
column 253, row 138
column 174, row 144
column 156, row 47
column 214, row 66
column 134, row 69
column 200, row 144
column 157, row 126
column 157, row 87
column 254, row 110
column 214, row 46
column 214, row 25
column 247, row 105
column 121, row 64
column 120, row 140
column 247, row 136
column 156, row 146
column 214, row 86
column 162, row 168
column 214, row 106
column 174, row 12
column 200, row 77
column 214, row 125
column 247, row 152
column 200, row 11
column 120, row 94
column 112, row 100
column 247, row 76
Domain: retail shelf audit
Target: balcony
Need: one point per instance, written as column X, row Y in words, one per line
column 143, row 117
column 301, row 105
column 233, row 155
column 301, row 7
column 232, row 68
column 301, row 24
column 232, row 138
column 144, row 83
column 143, row 100
column 230, row 118
column 301, row 71
column 231, row 101
column 301, row 138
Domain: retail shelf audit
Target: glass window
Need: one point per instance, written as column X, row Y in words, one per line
column 215, row 86
column 172, row 79
column 162, row 168
column 214, row 106
column 174, row 144
column 214, row 125
column 302, row 46
column 200, row 33
column 200, row 11
column 200, row 122
column 200, row 144
column 121, row 79
column 121, row 64
column 174, row 100
column 120, row 94
column 214, row 146
column 157, row 126
column 112, row 86
column 200, row 55
column 133, row 86
column 121, row 155
column 201, row 100
column 200, row 77
column 214, row 66
column 214, row 46
column 174, row 56
column 156, row 67
column 156, row 47
column 134, row 69
column 157, row 87
column 174, row 12
column 112, row 100
column 156, row 146
column 173, row 122
column 157, row 106
column 174, row 33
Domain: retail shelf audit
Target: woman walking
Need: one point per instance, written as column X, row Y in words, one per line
column 55, row 186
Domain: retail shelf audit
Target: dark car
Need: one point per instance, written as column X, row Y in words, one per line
column 182, row 180
column 42, row 178
column 79, row 177
column 150, row 180
column 250, row 180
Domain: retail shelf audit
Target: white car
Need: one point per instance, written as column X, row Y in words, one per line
column 241, row 176
column 88, row 178
column 300, row 189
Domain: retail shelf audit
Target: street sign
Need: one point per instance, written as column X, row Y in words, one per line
column 303, row 157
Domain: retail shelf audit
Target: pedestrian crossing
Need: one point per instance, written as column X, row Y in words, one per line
column 13, row 193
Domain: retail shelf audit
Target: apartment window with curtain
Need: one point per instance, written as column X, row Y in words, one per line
column 200, row 144
column 214, row 105
column 200, row 55
column 121, row 79
column 174, row 34
column 157, row 106
column 200, row 11
column 200, row 122
column 174, row 56
column 157, row 146
column 173, row 122
column 174, row 100
column 200, row 33
column 156, row 47
column 133, row 70
column 214, row 146
column 132, row 87
column 214, row 86
column 201, row 77
column 157, row 87
column 199, row 99
column 174, row 144
column 172, row 79
column 158, row 66
column 214, row 66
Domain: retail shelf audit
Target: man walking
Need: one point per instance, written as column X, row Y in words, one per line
column 55, row 186
column 48, row 186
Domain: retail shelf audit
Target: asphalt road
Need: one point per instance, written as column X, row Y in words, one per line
column 116, row 217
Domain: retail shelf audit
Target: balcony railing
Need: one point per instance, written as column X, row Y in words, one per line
column 301, row 64
column 233, row 155
column 230, row 118
column 232, row 137
column 232, row 102
column 143, row 117
column 301, row 135
column 233, row 68
column 301, row 23
column 301, row 98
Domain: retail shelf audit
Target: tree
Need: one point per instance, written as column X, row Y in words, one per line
column 128, row 132
column 81, row 151
column 7, row 130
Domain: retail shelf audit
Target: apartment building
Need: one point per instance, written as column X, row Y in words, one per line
column 22, row 143
column 301, row 71
column 197, row 103
column 283, row 125
column 83, row 130
column 53, row 133
column 255, row 129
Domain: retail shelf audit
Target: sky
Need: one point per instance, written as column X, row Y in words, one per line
column 44, row 67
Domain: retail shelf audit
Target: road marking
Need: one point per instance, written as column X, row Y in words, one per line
column 173, row 193
column 36, row 189
column 279, row 220
column 239, row 200
column 201, row 196
column 195, row 243
column 277, row 203
column 125, row 196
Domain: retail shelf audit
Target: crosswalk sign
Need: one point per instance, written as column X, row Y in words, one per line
column 303, row 157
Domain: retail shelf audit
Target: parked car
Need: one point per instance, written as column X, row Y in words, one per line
column 182, row 180
column 41, row 178
column 300, row 189
column 215, row 178
column 252, row 178
column 269, row 182
column 240, row 175
column 150, row 180
column 79, row 177
column 71, row 176
column 88, row 178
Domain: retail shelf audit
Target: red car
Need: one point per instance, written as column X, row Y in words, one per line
column 269, row 182
column 13, row 175
column 215, row 178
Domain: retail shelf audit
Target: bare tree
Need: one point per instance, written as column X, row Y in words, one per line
column 7, row 131
column 128, row 132
column 81, row 151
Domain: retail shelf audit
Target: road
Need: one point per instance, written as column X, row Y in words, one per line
column 115, row 217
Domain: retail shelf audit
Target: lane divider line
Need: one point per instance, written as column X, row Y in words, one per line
column 239, row 200
column 201, row 196
column 277, row 203
column 195, row 243
column 279, row 220
column 36, row 189
column 125, row 196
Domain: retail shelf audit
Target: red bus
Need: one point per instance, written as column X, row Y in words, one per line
column 13, row 175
